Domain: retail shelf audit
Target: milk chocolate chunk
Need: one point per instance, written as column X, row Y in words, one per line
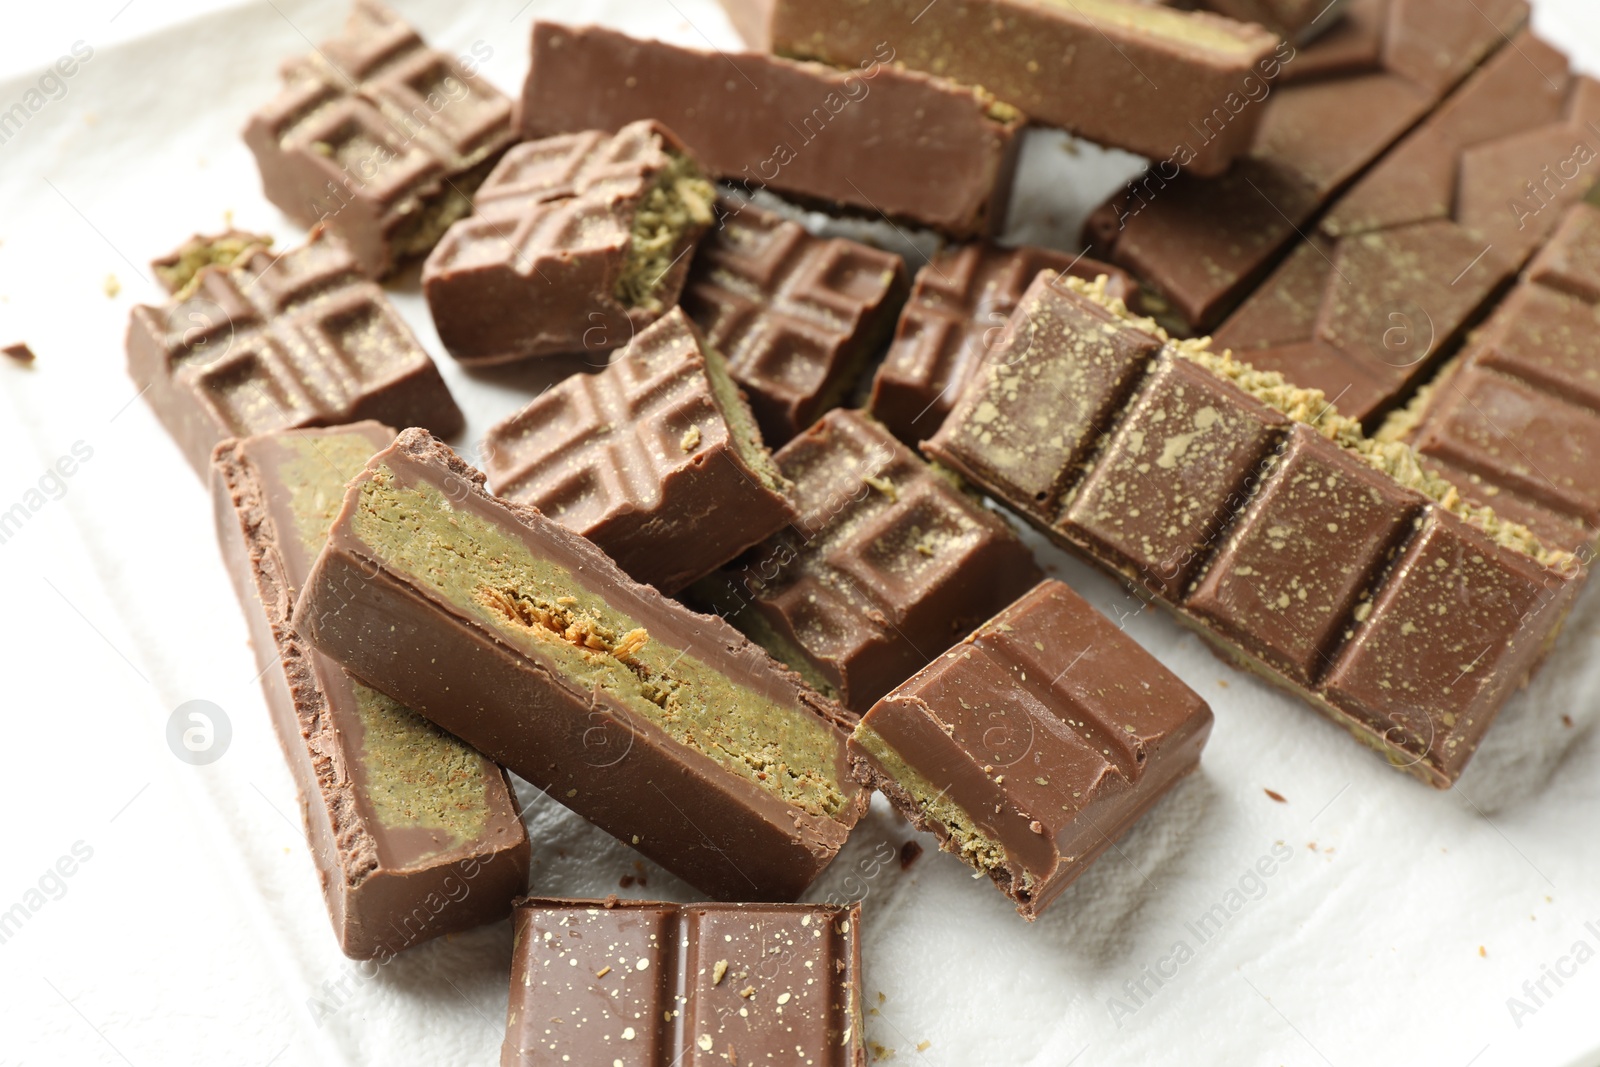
column 1291, row 19
column 1136, row 76
column 1296, row 557
column 665, row 728
column 656, row 459
column 1201, row 244
column 575, row 244
column 277, row 342
column 888, row 564
column 414, row 834
column 876, row 139
column 1029, row 748
column 1420, row 246
column 178, row 270
column 1570, row 260
column 650, row 984
column 797, row 316
column 379, row 137
column 959, row 303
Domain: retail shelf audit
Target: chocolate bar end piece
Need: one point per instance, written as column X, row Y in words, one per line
column 656, row 459
column 703, row 985
column 178, row 271
column 414, row 834
column 1029, row 748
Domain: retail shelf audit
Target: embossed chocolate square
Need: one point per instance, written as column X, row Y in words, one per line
column 656, row 459
column 888, row 565
column 278, row 342
column 380, row 137
column 1034, row 744
column 575, row 243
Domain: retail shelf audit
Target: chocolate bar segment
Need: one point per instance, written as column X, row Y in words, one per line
column 1029, row 748
column 1200, row 244
column 888, row 565
column 379, row 137
column 414, row 834
column 178, row 270
column 798, row 317
column 651, row 984
column 866, row 138
column 1294, row 20
column 278, row 342
column 1289, row 566
column 656, row 459
column 665, row 728
column 576, row 243
column 959, row 304
column 1408, row 259
column 1136, row 76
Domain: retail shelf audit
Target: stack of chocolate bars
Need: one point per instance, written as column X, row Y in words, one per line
column 710, row 607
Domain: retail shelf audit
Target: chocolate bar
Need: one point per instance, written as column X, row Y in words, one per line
column 1301, row 548
column 414, row 834
column 660, row 985
column 1515, row 421
column 798, row 317
column 178, row 270
column 279, row 342
column 379, row 137
column 1135, row 76
column 960, row 303
column 888, row 565
column 1406, row 261
column 1199, row 245
column 575, row 243
column 1031, row 746
column 1294, row 20
column 638, row 458
column 867, row 138
column 665, row 728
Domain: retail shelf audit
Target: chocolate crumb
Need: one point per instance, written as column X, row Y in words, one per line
column 1279, row 797
column 23, row 354
column 626, row 881
column 1566, row 720
column 908, row 854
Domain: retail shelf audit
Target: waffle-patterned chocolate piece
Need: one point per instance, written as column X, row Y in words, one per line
column 959, row 306
column 548, row 261
column 1317, row 557
column 1405, row 262
column 797, row 316
column 1336, row 104
column 278, row 342
column 656, row 459
column 1515, row 422
column 379, row 137
column 889, row 564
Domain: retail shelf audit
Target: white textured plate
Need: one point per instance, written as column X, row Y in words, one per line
column 153, row 912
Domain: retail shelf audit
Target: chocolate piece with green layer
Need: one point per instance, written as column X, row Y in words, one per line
column 414, row 834
column 656, row 459
column 685, row 985
column 575, row 243
column 665, row 728
column 1034, row 744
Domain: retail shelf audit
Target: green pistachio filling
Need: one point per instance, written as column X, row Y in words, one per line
column 182, row 274
column 743, row 433
column 679, row 201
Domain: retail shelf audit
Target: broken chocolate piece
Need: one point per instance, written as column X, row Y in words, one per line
column 178, row 270
column 867, row 138
column 380, row 138
column 797, row 316
column 575, row 244
column 279, row 342
column 888, row 565
column 656, row 459
column 414, row 834
column 1029, row 748
column 665, row 728
column 661, row 985
column 19, row 352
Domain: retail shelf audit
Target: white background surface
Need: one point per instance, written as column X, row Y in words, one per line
column 195, row 932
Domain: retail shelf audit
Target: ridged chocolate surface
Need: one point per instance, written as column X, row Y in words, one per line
column 649, row 984
column 1314, row 568
column 1048, row 729
column 282, row 342
column 373, row 132
column 888, row 565
column 641, row 459
column 797, row 316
